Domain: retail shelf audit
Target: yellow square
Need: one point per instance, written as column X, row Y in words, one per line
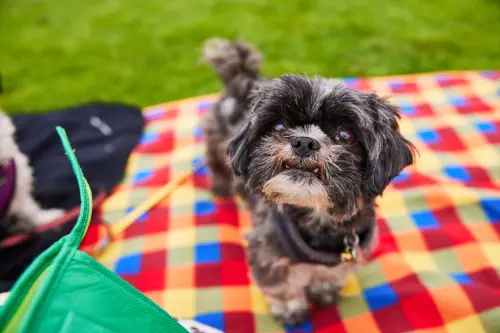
column 259, row 303
column 491, row 251
column 486, row 156
column 180, row 303
column 420, row 262
column 155, row 242
column 427, row 160
column 181, row 238
column 352, row 286
column 109, row 255
column 466, row 325
column 118, row 200
column 461, row 195
column 183, row 195
column 392, row 204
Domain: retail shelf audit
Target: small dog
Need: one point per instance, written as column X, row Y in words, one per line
column 310, row 156
column 18, row 209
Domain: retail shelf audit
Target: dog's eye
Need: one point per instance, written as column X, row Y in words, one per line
column 346, row 136
column 279, row 128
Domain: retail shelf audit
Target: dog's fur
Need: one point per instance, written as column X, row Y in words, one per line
column 326, row 194
column 24, row 212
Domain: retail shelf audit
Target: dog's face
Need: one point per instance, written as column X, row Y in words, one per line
column 312, row 143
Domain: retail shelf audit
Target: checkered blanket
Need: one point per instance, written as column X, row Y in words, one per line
column 437, row 266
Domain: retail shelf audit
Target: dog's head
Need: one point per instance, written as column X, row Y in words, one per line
column 313, row 143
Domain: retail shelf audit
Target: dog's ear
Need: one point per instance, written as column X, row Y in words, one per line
column 388, row 151
column 238, row 151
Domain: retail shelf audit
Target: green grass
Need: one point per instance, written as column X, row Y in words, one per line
column 55, row 53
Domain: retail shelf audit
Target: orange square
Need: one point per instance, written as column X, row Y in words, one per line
column 394, row 266
column 483, row 232
column 156, row 297
column 452, row 302
column 155, row 242
column 229, row 234
column 362, row 323
column 471, row 257
column 181, row 221
column 437, row 198
column 236, row 299
column 432, row 330
column 179, row 277
column 411, row 241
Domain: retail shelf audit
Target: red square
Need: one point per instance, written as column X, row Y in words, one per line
column 164, row 143
column 421, row 311
column 436, row 239
column 226, row 212
column 159, row 177
column 201, row 181
column 235, row 273
column 232, row 252
column 449, row 141
column 325, row 318
column 423, row 110
column 450, row 82
column 474, row 105
column 479, row 177
column 205, row 219
column 157, row 221
column 404, row 88
column 453, row 227
column 165, row 115
column 360, row 84
column 134, row 230
column 151, row 279
column 482, row 298
column 131, row 278
column 156, row 259
column 487, row 277
column 92, row 236
column 408, row 286
column 386, row 242
column 385, row 319
column 239, row 322
column 493, row 137
column 207, row 275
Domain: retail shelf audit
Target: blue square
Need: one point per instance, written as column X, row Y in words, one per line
column 128, row 265
column 403, row 176
column 457, row 173
column 149, row 137
column 141, row 218
column 458, row 101
column 425, row 220
column 408, row 109
column 461, row 278
column 486, row 127
column 142, row 176
column 204, row 207
column 205, row 105
column 303, row 328
column 350, row 81
column 198, row 132
column 429, row 136
column 380, row 297
column 491, row 208
column 395, row 84
column 215, row 320
column 207, row 253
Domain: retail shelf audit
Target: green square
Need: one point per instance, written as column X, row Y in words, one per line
column 137, row 196
column 447, row 260
column 471, row 213
column 371, row 275
column 415, row 201
column 208, row 300
column 433, row 280
column 180, row 256
column 204, row 195
column 490, row 320
column 181, row 209
column 132, row 245
column 181, row 165
column 401, row 223
column 351, row 306
column 207, row 234
column 113, row 215
column 266, row 324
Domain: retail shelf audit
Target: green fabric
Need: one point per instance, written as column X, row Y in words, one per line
column 65, row 290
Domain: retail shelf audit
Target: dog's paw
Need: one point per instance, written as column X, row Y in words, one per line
column 47, row 216
column 323, row 293
column 291, row 313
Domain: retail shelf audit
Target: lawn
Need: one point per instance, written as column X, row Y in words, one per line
column 55, row 53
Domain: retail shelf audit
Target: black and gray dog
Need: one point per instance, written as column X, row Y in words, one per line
column 310, row 156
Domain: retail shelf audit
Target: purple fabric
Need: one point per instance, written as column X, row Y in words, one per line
column 7, row 185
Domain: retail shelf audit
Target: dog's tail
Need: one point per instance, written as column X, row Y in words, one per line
column 236, row 63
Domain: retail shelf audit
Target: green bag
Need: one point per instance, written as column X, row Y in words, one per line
column 66, row 290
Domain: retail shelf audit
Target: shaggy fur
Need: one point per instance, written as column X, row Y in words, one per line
column 24, row 212
column 317, row 151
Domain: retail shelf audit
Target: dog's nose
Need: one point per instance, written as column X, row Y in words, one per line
column 304, row 146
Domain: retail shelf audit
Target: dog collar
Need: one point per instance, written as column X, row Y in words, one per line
column 301, row 252
column 7, row 185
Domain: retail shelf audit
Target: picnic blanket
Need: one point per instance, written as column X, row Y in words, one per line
column 436, row 268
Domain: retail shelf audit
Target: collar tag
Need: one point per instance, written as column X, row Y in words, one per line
column 351, row 242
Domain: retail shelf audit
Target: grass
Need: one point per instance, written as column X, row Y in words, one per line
column 55, row 53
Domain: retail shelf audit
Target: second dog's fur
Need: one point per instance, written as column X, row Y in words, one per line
column 317, row 152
